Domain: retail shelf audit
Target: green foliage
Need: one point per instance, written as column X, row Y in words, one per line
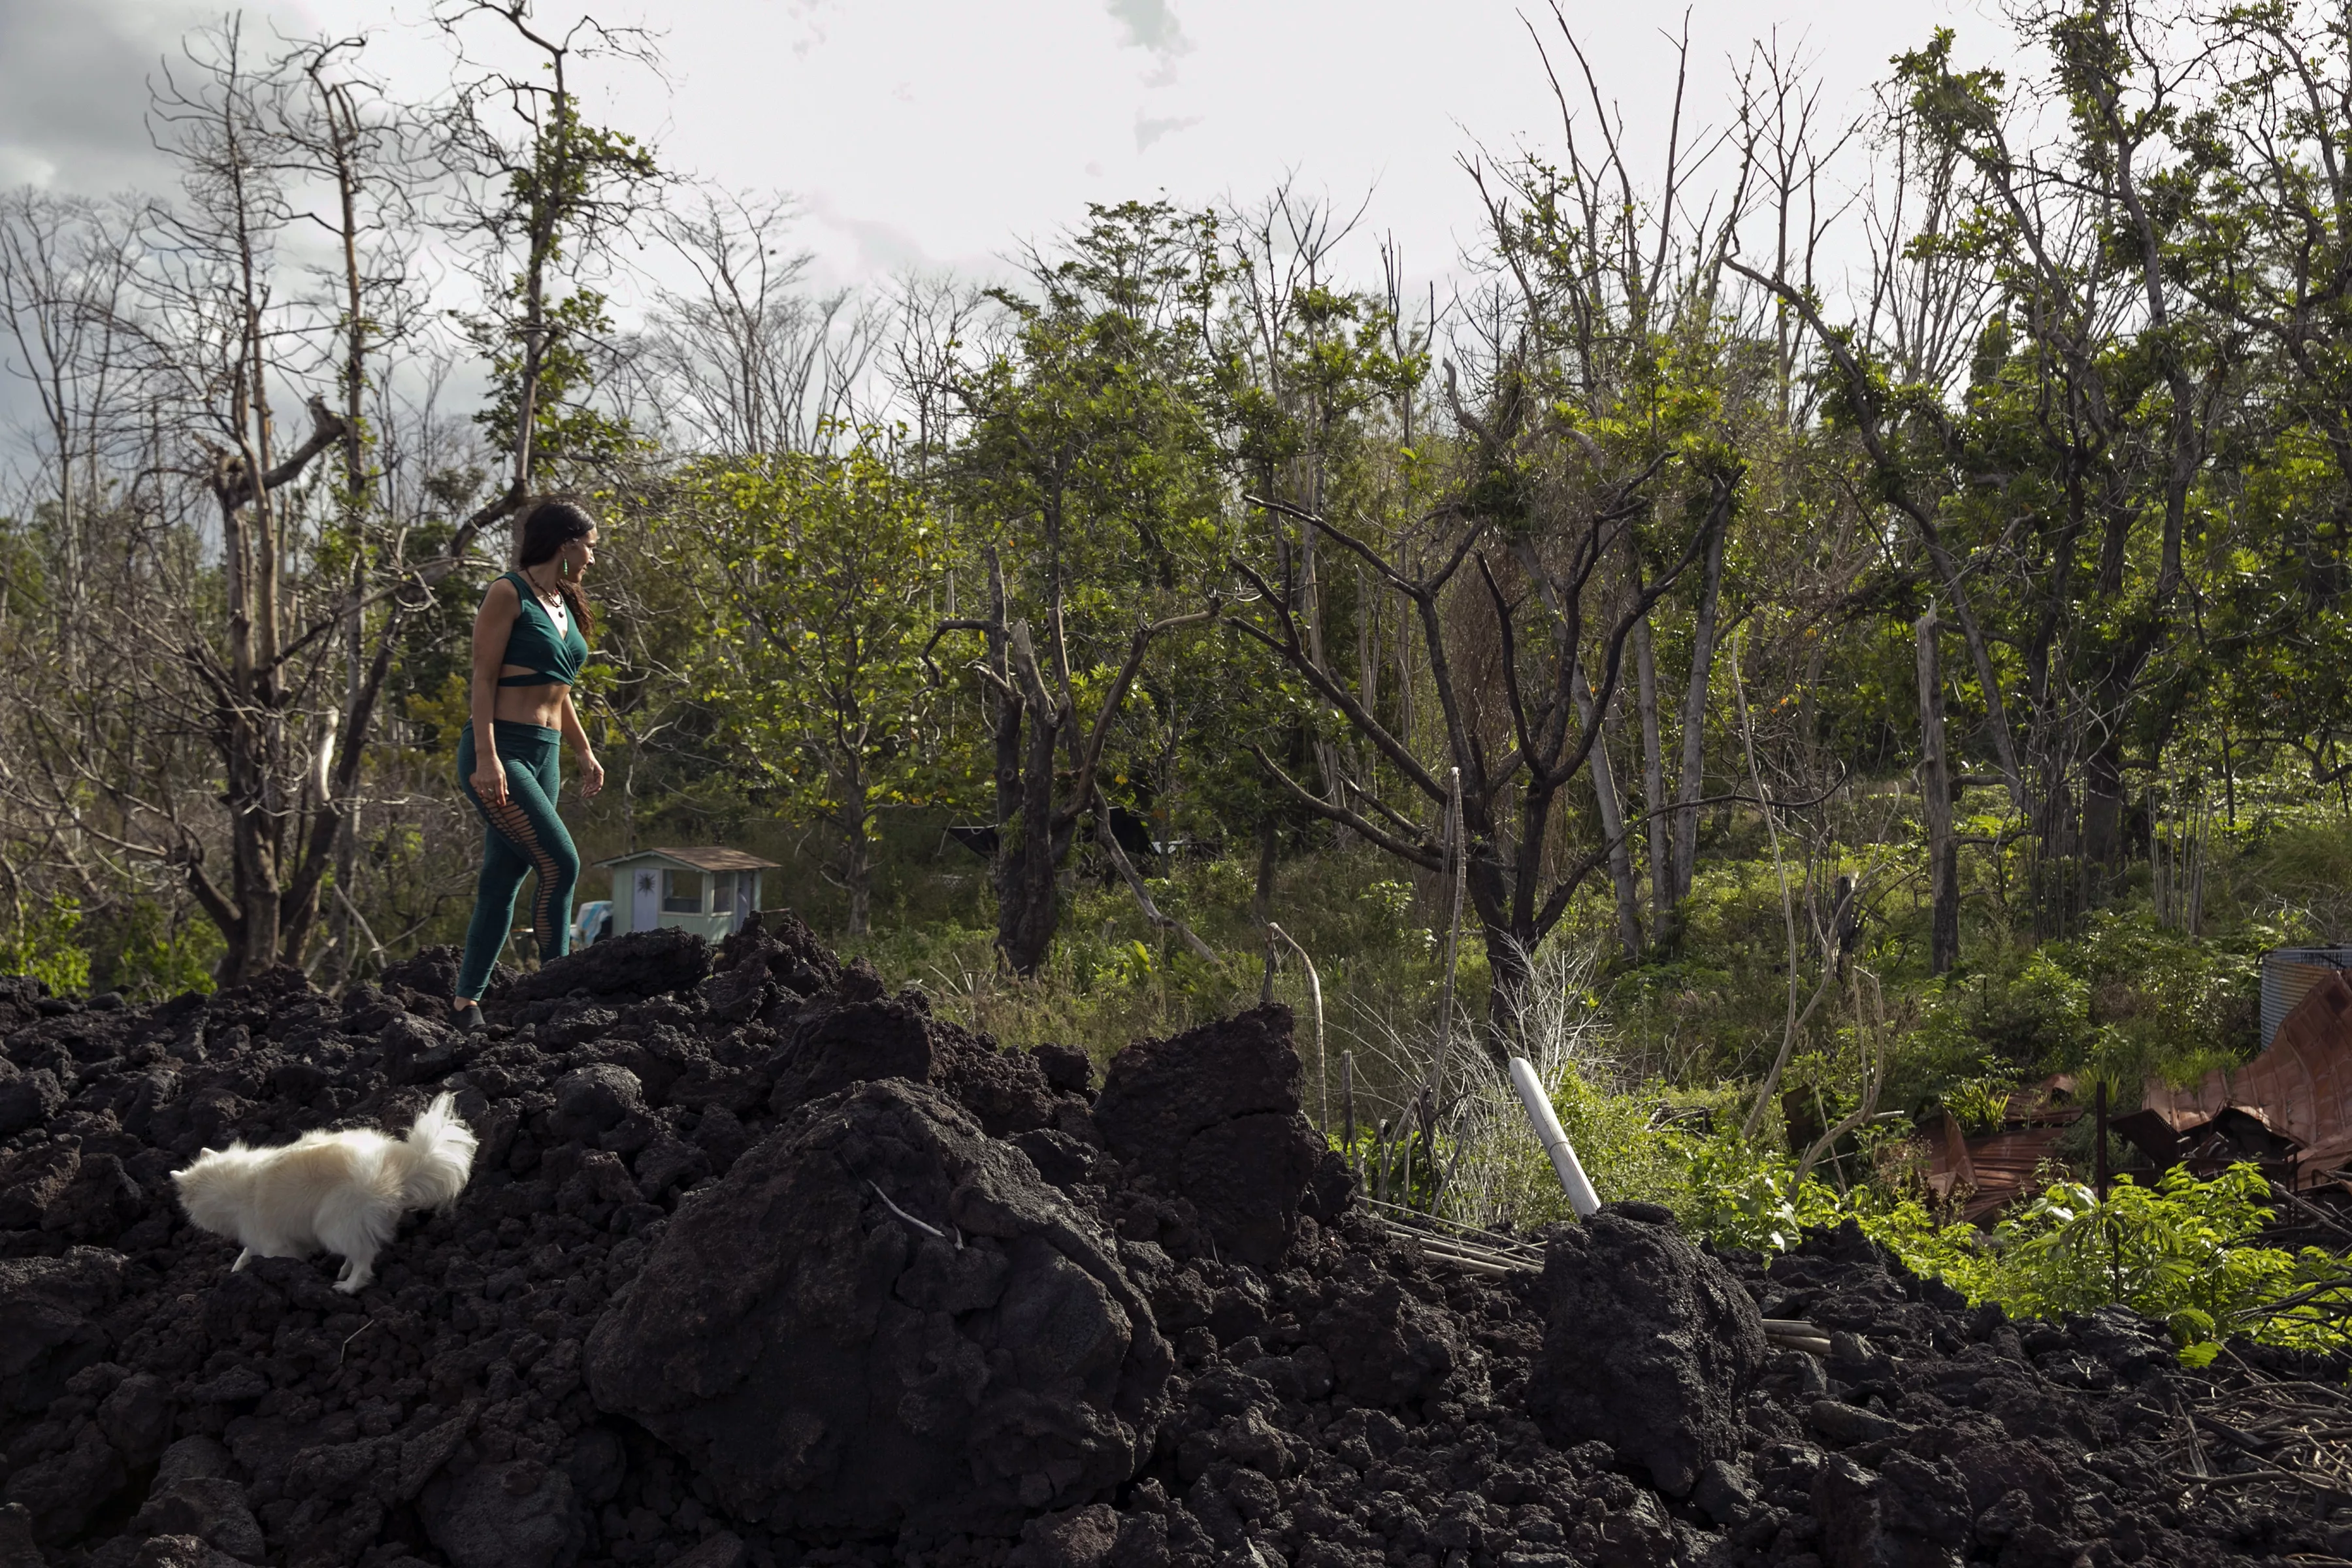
column 1977, row 1104
column 2303, row 870
column 830, row 570
column 567, row 191
column 1408, row 1177
column 2185, row 1252
column 2169, row 1004
column 2023, row 1019
column 1622, row 1140
column 150, row 952
column 567, row 426
column 1743, row 1196
column 40, row 940
column 2180, row 1252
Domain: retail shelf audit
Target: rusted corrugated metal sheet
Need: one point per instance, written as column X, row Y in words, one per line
column 1982, row 1174
column 2299, row 1091
column 2288, row 975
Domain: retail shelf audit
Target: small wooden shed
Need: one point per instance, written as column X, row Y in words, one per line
column 706, row 889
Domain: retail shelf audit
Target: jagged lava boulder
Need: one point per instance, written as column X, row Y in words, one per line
column 884, row 1321
column 635, row 963
column 1650, row 1345
column 1212, row 1116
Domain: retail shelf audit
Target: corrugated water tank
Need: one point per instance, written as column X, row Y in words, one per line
column 2288, row 973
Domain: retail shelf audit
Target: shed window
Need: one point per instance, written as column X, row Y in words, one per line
column 722, row 892
column 681, row 892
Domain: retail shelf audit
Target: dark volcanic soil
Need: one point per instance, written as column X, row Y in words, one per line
column 760, row 1266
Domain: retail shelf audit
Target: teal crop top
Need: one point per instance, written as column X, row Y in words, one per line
column 554, row 656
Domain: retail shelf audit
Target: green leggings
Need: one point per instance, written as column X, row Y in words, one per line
column 523, row 834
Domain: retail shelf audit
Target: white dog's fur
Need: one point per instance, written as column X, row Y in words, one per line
column 342, row 1191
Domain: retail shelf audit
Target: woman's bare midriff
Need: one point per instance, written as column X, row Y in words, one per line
column 539, row 705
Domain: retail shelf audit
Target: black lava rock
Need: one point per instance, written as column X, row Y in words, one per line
column 1650, row 1346
column 882, row 1320
column 1169, row 1337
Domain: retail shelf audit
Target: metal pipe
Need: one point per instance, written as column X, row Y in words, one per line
column 1554, row 1138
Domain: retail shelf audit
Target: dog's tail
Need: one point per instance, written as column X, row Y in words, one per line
column 434, row 1159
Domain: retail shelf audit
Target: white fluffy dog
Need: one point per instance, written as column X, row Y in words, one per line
column 342, row 1191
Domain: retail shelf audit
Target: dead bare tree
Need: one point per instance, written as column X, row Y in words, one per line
column 752, row 362
column 270, row 708
column 1519, row 724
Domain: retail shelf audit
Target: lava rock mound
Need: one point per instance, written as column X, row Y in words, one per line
column 836, row 1364
column 1212, row 1116
column 761, row 1266
column 1651, row 1346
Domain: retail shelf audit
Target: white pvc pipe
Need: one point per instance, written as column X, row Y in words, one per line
column 1549, row 1133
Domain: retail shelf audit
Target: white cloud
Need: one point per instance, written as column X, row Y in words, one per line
column 1150, row 25
column 881, row 247
column 1149, row 130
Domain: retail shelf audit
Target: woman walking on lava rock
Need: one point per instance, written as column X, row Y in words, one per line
column 529, row 646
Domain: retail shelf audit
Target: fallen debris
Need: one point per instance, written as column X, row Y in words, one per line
column 760, row 1266
column 1985, row 1173
column 2290, row 1108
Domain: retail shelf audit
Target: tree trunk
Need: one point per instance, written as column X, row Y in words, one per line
column 857, row 877
column 1510, row 977
column 1654, row 779
column 1612, row 824
column 1692, row 782
column 2103, row 811
column 1028, row 894
column 1935, row 794
column 1269, row 845
column 1023, row 878
column 343, row 125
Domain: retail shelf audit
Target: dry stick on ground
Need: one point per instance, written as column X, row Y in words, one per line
column 1151, row 912
column 1315, row 995
column 2284, row 1437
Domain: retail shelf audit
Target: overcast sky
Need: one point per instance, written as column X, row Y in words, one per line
column 944, row 132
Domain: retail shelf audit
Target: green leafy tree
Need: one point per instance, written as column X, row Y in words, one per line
column 558, row 191
column 830, row 567
column 1090, row 469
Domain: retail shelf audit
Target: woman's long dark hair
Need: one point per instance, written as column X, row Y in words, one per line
column 546, row 526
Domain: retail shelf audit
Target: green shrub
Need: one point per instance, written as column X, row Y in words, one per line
column 1979, row 1104
column 2184, row 1251
column 2302, row 872
column 2180, row 1252
column 40, row 940
column 148, row 952
column 2170, row 1004
column 2027, row 1020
